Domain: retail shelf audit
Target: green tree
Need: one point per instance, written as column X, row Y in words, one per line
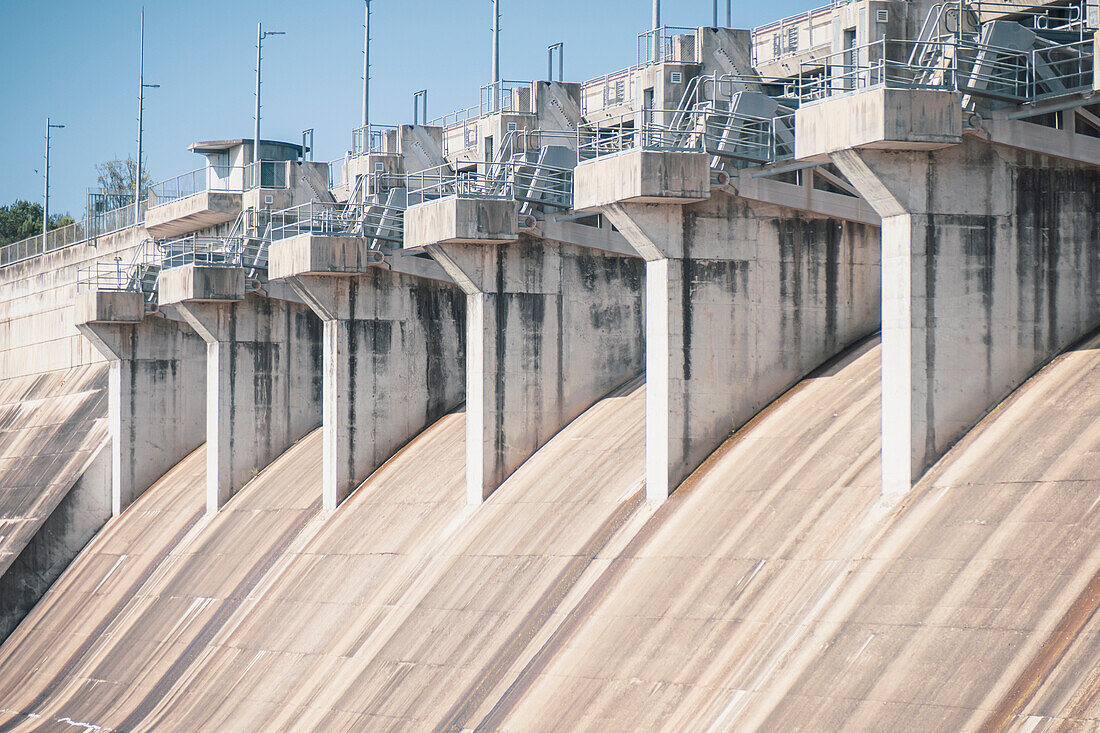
column 115, row 179
column 23, row 219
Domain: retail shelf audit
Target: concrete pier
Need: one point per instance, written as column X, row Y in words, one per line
column 156, row 410
column 989, row 262
column 550, row 328
column 263, row 372
column 393, row 351
column 743, row 298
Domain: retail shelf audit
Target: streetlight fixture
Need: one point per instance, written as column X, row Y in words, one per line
column 261, row 34
column 46, row 187
column 142, row 86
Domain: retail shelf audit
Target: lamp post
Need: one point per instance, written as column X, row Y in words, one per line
column 142, row 86
column 261, row 34
column 46, row 187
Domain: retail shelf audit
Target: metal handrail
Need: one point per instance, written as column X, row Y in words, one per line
column 368, row 139
column 655, row 46
column 224, row 179
column 956, row 65
column 521, row 181
column 86, row 230
column 200, row 250
column 377, row 221
column 493, row 97
column 704, row 129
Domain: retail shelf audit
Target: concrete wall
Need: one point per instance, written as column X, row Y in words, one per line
column 82, row 512
column 990, row 268
column 37, row 329
column 263, row 384
column 743, row 300
column 551, row 328
column 157, row 406
column 394, row 363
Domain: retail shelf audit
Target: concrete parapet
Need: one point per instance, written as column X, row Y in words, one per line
column 263, row 384
column 642, row 176
column 743, row 299
column 989, row 270
column 109, row 306
column 457, row 219
column 889, row 119
column 192, row 213
column 200, row 283
column 156, row 413
column 308, row 254
column 550, row 328
column 393, row 363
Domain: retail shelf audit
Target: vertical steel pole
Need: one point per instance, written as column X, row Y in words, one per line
column 141, row 110
column 561, row 62
column 496, row 91
column 256, row 131
column 729, row 13
column 366, row 70
column 715, row 4
column 656, row 25
column 46, row 190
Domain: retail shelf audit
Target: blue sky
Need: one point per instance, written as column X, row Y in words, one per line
column 76, row 61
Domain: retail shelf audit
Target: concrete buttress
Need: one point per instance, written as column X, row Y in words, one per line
column 393, row 361
column 263, row 372
column 156, row 384
column 550, row 328
column 990, row 269
column 743, row 298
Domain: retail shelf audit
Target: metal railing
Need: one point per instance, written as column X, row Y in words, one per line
column 715, row 131
column 369, row 138
column 378, row 222
column 226, row 179
column 529, row 182
column 659, row 45
column 493, row 97
column 619, row 87
column 336, row 168
column 785, row 37
column 207, row 251
column 100, row 225
column 959, row 65
column 138, row 275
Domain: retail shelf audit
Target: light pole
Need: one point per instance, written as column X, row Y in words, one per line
column 46, row 188
column 261, row 34
column 366, row 74
column 142, row 86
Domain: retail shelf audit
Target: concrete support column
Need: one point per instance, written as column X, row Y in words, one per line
column 392, row 363
column 551, row 328
column 263, row 385
column 155, row 407
column 743, row 300
column 990, row 269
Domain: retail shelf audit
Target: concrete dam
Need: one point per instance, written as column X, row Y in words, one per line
column 752, row 387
